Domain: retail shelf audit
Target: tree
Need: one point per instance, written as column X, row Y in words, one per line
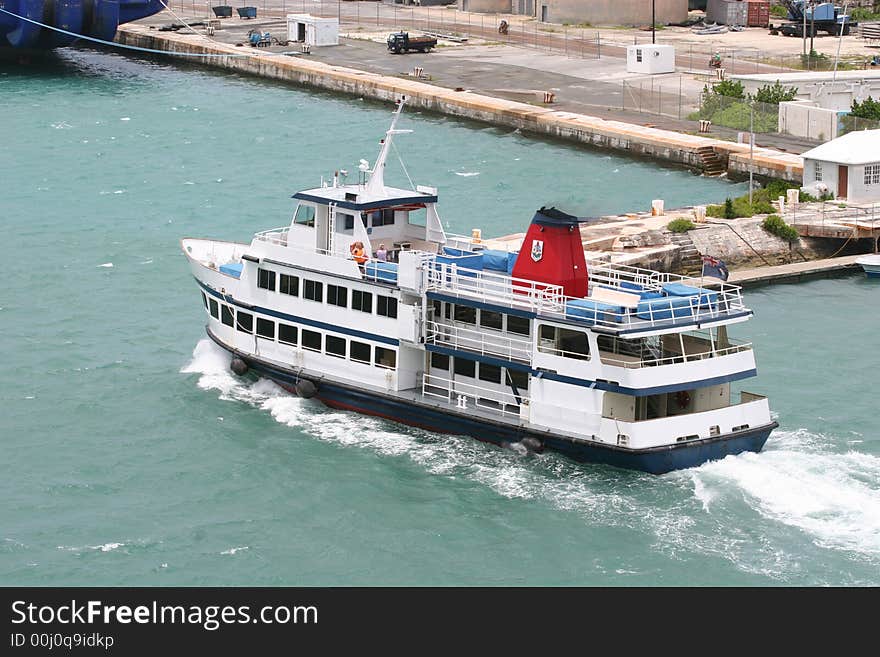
column 729, row 212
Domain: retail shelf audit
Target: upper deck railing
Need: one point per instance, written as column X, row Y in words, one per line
column 713, row 300
column 493, row 287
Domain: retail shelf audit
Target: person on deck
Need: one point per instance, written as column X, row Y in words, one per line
column 382, row 254
column 358, row 253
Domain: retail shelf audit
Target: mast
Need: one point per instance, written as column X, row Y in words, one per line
column 376, row 184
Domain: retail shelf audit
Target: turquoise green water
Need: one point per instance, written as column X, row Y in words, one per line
column 131, row 456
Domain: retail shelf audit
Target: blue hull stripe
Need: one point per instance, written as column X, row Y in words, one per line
column 333, row 328
column 656, row 460
column 586, row 383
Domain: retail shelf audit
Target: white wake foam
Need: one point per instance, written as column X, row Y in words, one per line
column 832, row 497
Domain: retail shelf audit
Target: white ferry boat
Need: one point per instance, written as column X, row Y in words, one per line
column 608, row 364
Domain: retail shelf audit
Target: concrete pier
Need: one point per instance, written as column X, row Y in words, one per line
column 796, row 271
column 684, row 149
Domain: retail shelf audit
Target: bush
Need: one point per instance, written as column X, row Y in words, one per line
column 867, row 109
column 775, row 225
column 730, row 89
column 779, row 11
column 681, row 225
column 775, row 94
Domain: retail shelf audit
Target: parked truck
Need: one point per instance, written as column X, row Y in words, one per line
column 821, row 17
column 401, row 42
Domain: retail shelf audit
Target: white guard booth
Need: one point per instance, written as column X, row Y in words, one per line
column 313, row 30
column 650, row 59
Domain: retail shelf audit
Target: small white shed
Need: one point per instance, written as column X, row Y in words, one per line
column 848, row 167
column 650, row 59
column 312, row 30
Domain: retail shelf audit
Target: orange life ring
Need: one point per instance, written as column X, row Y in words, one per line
column 683, row 398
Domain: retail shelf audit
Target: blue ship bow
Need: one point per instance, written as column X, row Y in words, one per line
column 94, row 18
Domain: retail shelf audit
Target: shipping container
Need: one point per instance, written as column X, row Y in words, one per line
column 727, row 12
column 759, row 13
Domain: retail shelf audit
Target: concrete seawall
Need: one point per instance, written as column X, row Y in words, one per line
column 650, row 142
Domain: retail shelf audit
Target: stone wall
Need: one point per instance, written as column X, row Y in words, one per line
column 613, row 12
column 752, row 246
column 485, row 6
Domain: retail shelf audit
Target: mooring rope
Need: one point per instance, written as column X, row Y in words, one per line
column 124, row 45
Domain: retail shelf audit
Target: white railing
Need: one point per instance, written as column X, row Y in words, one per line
column 549, row 300
column 466, row 395
column 273, row 236
column 609, row 359
column 483, row 342
column 341, row 251
column 499, row 289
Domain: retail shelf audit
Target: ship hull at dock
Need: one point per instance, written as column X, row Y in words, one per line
column 657, row 460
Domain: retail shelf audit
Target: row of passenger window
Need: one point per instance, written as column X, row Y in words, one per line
column 490, row 319
column 337, row 295
column 331, row 345
column 482, row 371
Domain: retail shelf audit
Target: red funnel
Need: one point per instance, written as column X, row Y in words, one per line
column 552, row 253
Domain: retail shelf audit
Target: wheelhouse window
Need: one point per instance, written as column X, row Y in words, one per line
column 491, row 319
column 520, row 325
column 385, row 357
column 362, row 301
column 228, row 318
column 439, row 361
column 205, row 300
column 245, row 322
column 382, row 217
column 563, row 342
column 289, row 285
column 313, row 290
column 311, row 340
column 337, row 295
column 266, row 279
column 386, row 306
column 215, row 309
column 359, row 352
column 334, row 346
column 265, row 328
column 287, row 333
column 465, row 367
column 346, row 221
column 305, row 215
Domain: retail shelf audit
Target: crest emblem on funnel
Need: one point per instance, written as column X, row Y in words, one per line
column 537, row 250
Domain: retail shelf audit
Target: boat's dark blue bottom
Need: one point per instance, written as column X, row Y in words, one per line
column 653, row 460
